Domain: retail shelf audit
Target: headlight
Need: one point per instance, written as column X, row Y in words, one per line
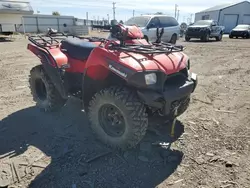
column 150, row 79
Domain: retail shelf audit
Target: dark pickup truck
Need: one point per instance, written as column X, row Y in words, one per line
column 204, row 30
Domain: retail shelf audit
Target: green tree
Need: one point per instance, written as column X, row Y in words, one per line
column 159, row 13
column 55, row 13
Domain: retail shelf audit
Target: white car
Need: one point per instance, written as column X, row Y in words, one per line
column 150, row 23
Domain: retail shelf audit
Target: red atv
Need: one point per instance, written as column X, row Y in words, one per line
column 121, row 82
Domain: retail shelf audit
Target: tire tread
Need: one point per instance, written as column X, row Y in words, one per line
column 136, row 110
column 55, row 100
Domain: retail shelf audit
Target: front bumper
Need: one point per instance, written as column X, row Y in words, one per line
column 239, row 34
column 196, row 34
column 172, row 97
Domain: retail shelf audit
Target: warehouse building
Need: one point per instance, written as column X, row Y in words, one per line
column 18, row 16
column 11, row 13
column 38, row 23
column 227, row 15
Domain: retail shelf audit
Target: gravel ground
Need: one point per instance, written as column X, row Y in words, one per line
column 210, row 148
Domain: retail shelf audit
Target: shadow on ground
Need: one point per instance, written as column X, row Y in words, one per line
column 200, row 41
column 6, row 39
column 66, row 138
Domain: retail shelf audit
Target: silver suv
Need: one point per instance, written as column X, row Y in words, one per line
column 149, row 24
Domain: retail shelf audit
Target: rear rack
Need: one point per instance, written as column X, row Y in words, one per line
column 53, row 40
column 154, row 48
column 46, row 41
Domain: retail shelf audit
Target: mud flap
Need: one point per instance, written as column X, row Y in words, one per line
column 55, row 74
column 56, row 78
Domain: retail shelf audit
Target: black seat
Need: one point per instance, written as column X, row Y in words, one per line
column 77, row 48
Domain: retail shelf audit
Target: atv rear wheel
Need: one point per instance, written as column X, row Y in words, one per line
column 118, row 118
column 43, row 90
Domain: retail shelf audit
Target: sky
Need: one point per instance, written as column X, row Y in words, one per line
column 99, row 9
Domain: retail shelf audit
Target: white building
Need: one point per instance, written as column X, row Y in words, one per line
column 11, row 13
column 228, row 15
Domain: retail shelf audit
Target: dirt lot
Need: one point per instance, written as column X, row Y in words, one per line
column 210, row 149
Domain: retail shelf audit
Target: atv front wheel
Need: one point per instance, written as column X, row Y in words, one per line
column 184, row 106
column 43, row 90
column 118, row 118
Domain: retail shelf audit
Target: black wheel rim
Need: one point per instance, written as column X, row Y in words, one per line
column 40, row 89
column 112, row 120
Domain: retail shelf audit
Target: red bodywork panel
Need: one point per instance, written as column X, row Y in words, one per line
column 134, row 32
column 169, row 64
column 56, row 53
column 60, row 58
column 97, row 66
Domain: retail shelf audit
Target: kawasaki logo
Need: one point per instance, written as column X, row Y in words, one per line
column 118, row 71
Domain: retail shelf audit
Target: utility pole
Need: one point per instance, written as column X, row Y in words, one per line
column 178, row 15
column 108, row 18
column 191, row 17
column 133, row 13
column 114, row 10
column 87, row 18
column 175, row 11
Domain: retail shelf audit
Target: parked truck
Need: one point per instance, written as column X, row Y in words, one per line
column 204, row 30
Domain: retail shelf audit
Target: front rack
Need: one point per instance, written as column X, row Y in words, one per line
column 53, row 40
column 154, row 48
